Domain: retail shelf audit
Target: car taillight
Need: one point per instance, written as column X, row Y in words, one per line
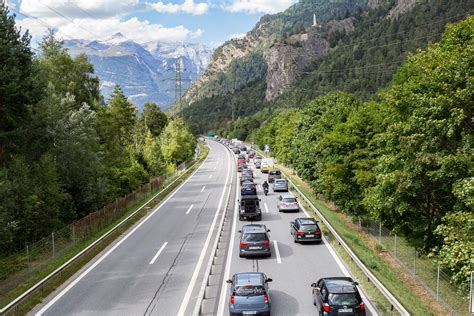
column 362, row 306
column 243, row 244
column 299, row 233
column 232, row 300
column 265, row 296
column 326, row 307
column 318, row 232
column 266, row 243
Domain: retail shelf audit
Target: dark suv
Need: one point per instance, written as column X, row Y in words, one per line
column 254, row 241
column 337, row 296
column 305, row 229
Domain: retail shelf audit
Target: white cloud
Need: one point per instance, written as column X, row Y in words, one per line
column 99, row 19
column 188, row 6
column 259, row 6
column 10, row 4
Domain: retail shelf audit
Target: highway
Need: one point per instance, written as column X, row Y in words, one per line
column 293, row 267
column 156, row 268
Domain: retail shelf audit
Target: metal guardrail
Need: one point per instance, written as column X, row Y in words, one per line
column 38, row 285
column 389, row 296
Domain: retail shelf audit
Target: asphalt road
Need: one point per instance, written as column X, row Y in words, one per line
column 157, row 267
column 293, row 267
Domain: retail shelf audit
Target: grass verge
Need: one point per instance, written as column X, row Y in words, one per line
column 30, row 302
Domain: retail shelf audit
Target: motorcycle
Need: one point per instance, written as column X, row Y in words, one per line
column 265, row 190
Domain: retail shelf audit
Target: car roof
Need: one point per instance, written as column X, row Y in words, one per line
column 280, row 180
column 254, row 227
column 307, row 221
column 247, row 183
column 245, row 278
column 288, row 196
column 340, row 285
column 249, row 197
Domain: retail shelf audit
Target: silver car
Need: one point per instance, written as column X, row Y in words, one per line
column 287, row 203
column 280, row 185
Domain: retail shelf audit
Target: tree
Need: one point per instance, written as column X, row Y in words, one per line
column 18, row 86
column 177, row 143
column 153, row 118
column 429, row 148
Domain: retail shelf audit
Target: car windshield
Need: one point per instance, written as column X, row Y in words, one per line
column 308, row 228
column 249, row 290
column 343, row 299
column 254, row 237
column 289, row 200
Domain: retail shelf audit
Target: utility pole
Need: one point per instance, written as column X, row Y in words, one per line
column 178, row 79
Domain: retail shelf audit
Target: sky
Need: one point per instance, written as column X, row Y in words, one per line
column 209, row 22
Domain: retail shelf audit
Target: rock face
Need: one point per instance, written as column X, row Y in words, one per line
column 287, row 61
column 401, row 7
column 146, row 72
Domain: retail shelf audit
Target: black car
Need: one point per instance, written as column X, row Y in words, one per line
column 305, row 229
column 337, row 296
column 249, row 294
column 254, row 241
column 249, row 208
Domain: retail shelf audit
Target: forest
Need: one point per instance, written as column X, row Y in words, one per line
column 406, row 160
column 64, row 150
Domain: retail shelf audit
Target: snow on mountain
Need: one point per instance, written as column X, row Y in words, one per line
column 145, row 72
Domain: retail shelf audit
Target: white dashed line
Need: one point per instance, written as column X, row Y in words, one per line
column 158, row 253
column 266, row 207
column 189, row 209
column 210, row 176
column 203, row 188
column 277, row 251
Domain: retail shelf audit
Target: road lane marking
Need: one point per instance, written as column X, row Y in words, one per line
column 187, row 296
column 221, row 307
column 266, row 207
column 158, row 253
column 210, row 176
column 277, row 251
column 95, row 264
column 189, row 209
column 203, row 188
column 215, row 167
column 260, row 188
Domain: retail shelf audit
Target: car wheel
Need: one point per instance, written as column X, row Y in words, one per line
column 241, row 218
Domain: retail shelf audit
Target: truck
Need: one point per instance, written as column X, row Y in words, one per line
column 266, row 165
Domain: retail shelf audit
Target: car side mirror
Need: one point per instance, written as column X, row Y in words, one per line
column 356, row 283
column 314, row 285
column 229, row 281
column 268, row 230
column 238, row 200
column 292, row 223
column 269, row 280
column 259, row 200
column 240, row 231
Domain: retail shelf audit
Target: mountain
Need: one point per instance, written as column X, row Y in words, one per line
column 286, row 59
column 145, row 72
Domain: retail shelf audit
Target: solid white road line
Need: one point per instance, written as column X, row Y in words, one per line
column 277, row 251
column 266, row 207
column 158, row 253
column 95, row 264
column 221, row 306
column 189, row 209
column 187, row 296
column 203, row 188
column 343, row 268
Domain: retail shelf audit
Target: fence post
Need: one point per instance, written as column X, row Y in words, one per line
column 52, row 239
column 395, row 251
column 437, row 285
column 380, row 233
column 28, row 257
column 73, row 233
column 414, row 261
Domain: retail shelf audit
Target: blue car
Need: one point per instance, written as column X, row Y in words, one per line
column 249, row 294
column 248, row 188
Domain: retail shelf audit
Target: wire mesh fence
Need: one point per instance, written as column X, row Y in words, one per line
column 423, row 269
column 15, row 268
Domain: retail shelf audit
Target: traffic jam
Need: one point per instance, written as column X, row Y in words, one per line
column 250, row 293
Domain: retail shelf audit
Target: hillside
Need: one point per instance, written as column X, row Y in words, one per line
column 284, row 61
column 146, row 72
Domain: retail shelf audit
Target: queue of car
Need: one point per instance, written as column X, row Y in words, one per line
column 249, row 291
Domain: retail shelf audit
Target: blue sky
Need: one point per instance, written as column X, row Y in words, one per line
column 210, row 22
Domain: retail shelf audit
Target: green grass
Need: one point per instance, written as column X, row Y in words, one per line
column 55, row 282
